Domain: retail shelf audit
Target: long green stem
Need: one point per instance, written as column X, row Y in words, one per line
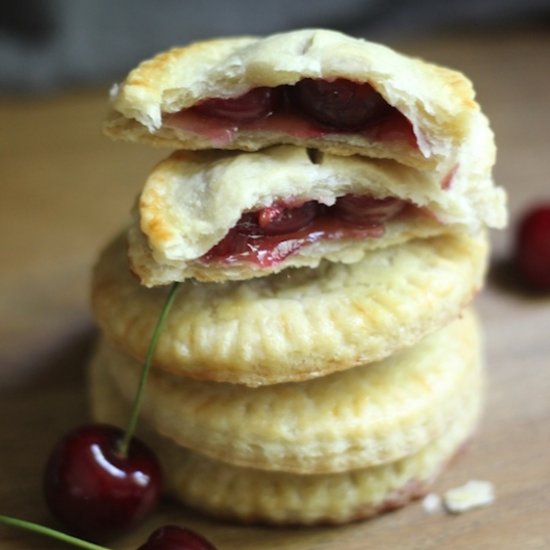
column 134, row 415
column 52, row 533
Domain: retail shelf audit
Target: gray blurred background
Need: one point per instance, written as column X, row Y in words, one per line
column 49, row 45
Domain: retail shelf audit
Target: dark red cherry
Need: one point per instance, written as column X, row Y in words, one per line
column 94, row 490
column 256, row 104
column 279, row 219
column 532, row 248
column 362, row 210
column 171, row 537
column 340, row 103
column 237, row 239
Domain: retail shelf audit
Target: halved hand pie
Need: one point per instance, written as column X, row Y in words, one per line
column 222, row 216
column 368, row 415
column 297, row 324
column 314, row 88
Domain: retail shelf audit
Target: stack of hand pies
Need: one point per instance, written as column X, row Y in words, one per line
column 326, row 213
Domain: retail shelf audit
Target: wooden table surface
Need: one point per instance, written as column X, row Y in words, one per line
column 65, row 190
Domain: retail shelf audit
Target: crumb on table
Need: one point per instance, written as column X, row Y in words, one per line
column 471, row 495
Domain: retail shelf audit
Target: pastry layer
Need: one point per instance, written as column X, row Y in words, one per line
column 436, row 103
column 360, row 417
column 252, row 495
column 295, row 325
column 192, row 201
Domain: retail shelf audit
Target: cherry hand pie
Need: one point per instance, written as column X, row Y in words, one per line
column 217, row 216
column 313, row 88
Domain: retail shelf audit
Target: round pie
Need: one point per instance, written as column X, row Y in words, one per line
column 299, row 323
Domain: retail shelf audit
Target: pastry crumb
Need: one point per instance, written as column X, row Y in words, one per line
column 432, row 503
column 113, row 92
column 473, row 494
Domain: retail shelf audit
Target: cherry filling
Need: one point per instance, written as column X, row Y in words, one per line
column 256, row 104
column 341, row 103
column 267, row 236
column 311, row 108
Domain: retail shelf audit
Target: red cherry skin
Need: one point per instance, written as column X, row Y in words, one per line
column 236, row 240
column 341, row 104
column 256, row 104
column 171, row 537
column 254, row 226
column 279, row 219
column 532, row 249
column 93, row 490
column 362, row 210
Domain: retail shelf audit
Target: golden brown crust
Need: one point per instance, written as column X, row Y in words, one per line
column 298, row 324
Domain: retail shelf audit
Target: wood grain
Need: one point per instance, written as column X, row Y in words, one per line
column 66, row 189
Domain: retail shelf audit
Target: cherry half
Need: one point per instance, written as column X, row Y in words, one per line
column 532, row 248
column 100, row 480
column 362, row 210
column 171, row 537
column 279, row 219
column 340, row 103
column 253, row 105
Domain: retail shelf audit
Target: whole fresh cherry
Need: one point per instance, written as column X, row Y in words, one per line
column 100, row 480
column 171, row 537
column 532, row 248
column 94, row 489
column 340, row 103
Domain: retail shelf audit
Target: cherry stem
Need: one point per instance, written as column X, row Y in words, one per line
column 134, row 415
column 52, row 533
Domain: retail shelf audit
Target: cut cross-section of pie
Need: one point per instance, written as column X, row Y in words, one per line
column 314, row 88
column 217, row 216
